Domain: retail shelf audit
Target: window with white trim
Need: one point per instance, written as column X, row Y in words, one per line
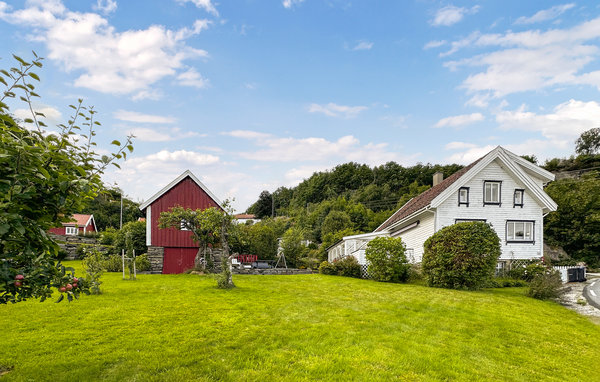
column 491, row 192
column 463, row 196
column 71, row 231
column 518, row 198
column 519, row 231
column 183, row 226
column 410, row 254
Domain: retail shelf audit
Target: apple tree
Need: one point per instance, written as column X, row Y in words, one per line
column 45, row 176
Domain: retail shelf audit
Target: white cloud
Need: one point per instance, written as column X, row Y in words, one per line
column 291, row 3
column 450, row 15
column 561, row 127
column 247, row 134
column 460, row 120
column 192, row 78
column 470, row 155
column 134, row 116
column 53, row 115
column 435, row 44
column 127, row 62
column 530, row 60
column 106, row 6
column 335, row 110
column 207, row 5
column 546, row 14
column 362, row 45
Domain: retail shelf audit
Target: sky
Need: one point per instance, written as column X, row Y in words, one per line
column 251, row 95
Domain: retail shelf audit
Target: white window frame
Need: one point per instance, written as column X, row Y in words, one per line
column 526, row 228
column 520, row 192
column 71, row 231
column 463, row 191
column 491, row 184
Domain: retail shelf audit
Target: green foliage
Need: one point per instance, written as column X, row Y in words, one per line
column 44, row 178
column 292, row 246
column 327, row 268
column 112, row 263
column 93, row 265
column 461, row 256
column 108, row 236
column 527, row 272
column 259, row 239
column 588, row 142
column 142, row 263
column 347, row 266
column 106, row 208
column 387, row 261
column 546, row 286
column 504, row 282
column 332, row 238
column 575, row 226
column 262, row 208
column 132, row 236
column 336, row 221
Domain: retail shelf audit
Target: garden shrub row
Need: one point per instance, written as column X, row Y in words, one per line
column 347, row 266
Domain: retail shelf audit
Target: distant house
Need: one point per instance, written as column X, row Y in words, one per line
column 171, row 250
column 79, row 224
column 500, row 188
column 245, row 218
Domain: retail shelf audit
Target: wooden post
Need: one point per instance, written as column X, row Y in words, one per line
column 123, row 259
column 134, row 270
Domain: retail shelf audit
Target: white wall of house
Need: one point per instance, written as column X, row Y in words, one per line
column 449, row 211
column 415, row 238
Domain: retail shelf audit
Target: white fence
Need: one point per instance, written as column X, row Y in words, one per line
column 564, row 271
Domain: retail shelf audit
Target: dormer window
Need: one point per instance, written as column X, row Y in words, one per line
column 463, row 196
column 518, row 198
column 491, row 192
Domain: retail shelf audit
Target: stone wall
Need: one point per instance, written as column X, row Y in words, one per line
column 155, row 255
column 72, row 245
column 272, row 271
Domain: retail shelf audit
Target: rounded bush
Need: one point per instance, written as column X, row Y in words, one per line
column 387, row 261
column 326, row 268
column 347, row 266
column 461, row 256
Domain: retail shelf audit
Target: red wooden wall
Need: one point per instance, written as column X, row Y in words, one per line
column 62, row 230
column 178, row 260
column 186, row 194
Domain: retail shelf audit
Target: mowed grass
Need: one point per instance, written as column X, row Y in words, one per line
column 303, row 327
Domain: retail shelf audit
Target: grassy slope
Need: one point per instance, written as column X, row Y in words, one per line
column 180, row 327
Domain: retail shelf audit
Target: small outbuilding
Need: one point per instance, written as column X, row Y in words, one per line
column 79, row 224
column 171, row 250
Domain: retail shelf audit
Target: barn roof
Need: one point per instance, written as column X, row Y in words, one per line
column 245, row 216
column 424, row 199
column 186, row 173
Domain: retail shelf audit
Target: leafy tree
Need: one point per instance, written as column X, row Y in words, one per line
column 207, row 227
column 588, row 142
column 387, row 260
column 575, row 225
column 530, row 158
column 330, row 239
column 45, row 176
column 461, row 256
column 106, row 208
column 291, row 244
column 263, row 206
column 335, row 221
column 132, row 236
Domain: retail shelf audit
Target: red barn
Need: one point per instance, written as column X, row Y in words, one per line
column 171, row 250
column 79, row 224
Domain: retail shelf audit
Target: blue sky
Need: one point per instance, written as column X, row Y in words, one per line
column 253, row 95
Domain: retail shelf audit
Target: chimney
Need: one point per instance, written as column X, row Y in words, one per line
column 437, row 178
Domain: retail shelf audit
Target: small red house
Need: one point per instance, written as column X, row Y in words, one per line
column 171, row 250
column 79, row 224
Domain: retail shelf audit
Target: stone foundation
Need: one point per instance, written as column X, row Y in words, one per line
column 156, row 255
column 72, row 245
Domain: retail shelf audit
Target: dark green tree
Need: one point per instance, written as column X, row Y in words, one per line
column 588, row 142
column 263, row 206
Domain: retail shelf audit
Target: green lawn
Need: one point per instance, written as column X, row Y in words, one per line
column 305, row 327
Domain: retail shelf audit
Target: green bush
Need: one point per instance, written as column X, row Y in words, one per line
column 108, row 236
column 326, row 268
column 347, row 266
column 546, row 286
column 93, row 265
column 527, row 272
column 113, row 263
column 142, row 263
column 387, row 261
column 501, row 282
column 461, row 256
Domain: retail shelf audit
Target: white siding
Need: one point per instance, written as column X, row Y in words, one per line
column 415, row 238
column 449, row 211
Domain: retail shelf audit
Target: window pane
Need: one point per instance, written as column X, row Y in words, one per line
column 488, row 192
column 495, row 192
column 511, row 231
column 528, row 229
column 519, row 231
column 518, row 197
column 463, row 196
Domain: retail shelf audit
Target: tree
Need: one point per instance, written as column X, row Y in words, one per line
column 335, row 221
column 263, row 206
column 387, row 260
column 575, row 225
column 588, row 142
column 106, row 208
column 291, row 244
column 132, row 236
column 211, row 226
column 461, row 256
column 45, row 176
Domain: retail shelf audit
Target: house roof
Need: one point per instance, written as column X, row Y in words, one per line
column 80, row 220
column 245, row 216
column 186, row 173
column 515, row 165
column 424, row 199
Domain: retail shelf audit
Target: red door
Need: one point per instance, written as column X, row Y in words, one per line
column 178, row 260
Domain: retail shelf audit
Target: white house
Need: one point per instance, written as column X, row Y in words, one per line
column 500, row 188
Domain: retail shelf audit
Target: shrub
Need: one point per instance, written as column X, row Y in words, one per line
column 527, row 272
column 546, row 286
column 142, row 263
column 387, row 261
column 326, row 268
column 108, row 236
column 113, row 263
column 347, row 266
column 461, row 256
column 93, row 265
column 500, row 282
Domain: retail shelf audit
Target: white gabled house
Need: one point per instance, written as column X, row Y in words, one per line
column 500, row 188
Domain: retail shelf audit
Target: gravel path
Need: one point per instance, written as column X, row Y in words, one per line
column 576, row 294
